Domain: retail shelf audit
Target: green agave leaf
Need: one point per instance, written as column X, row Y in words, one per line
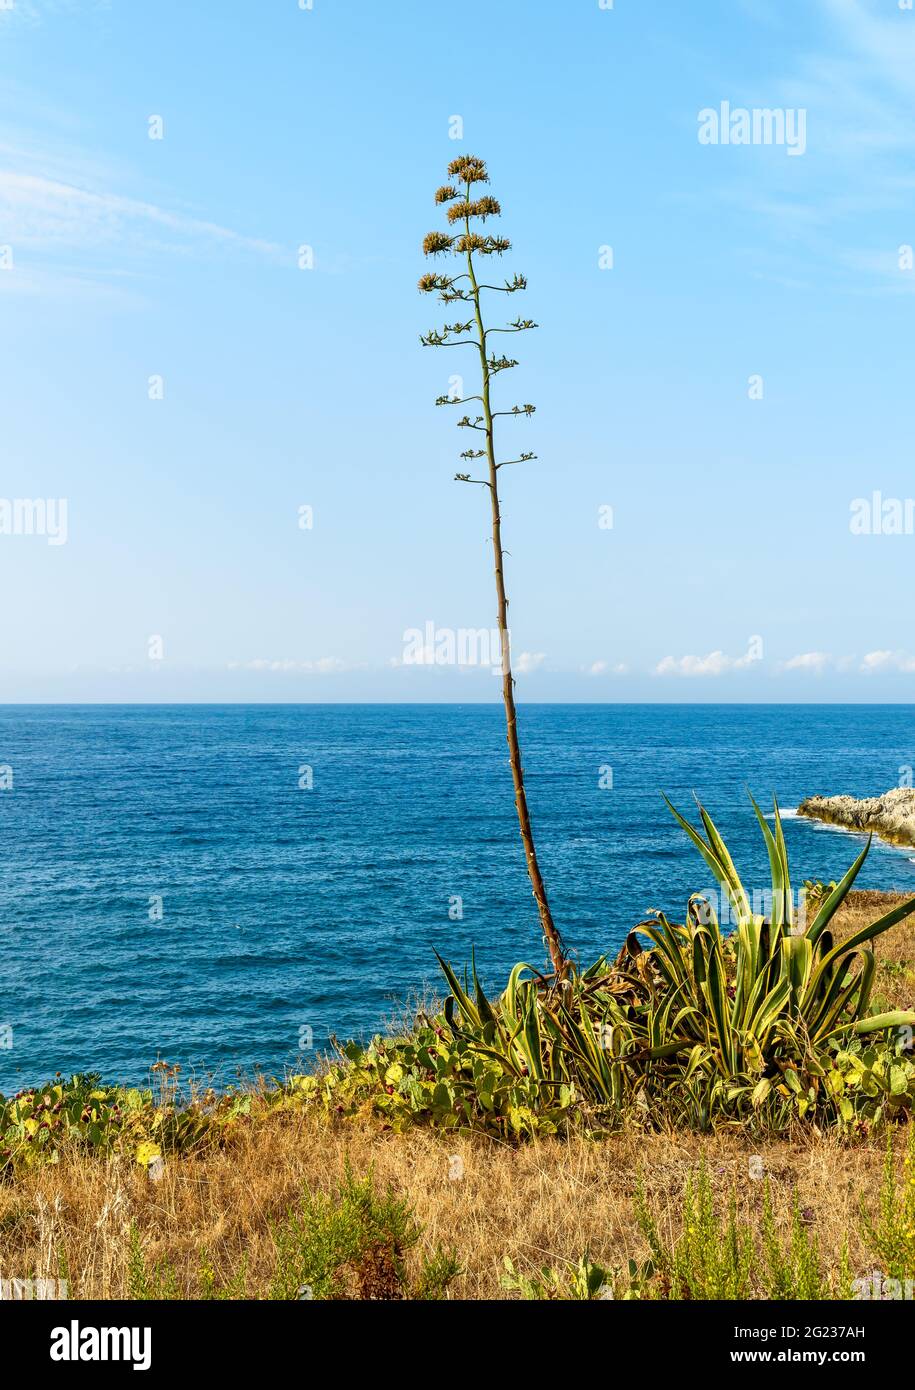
column 583, row 1045
column 776, row 869
column 669, row 960
column 783, row 858
column 669, row 1049
column 463, row 1000
column 715, row 992
column 823, row 945
column 660, row 1020
column 900, row 1018
column 699, row 1057
column 513, row 990
column 749, row 964
column 484, row 1008
column 721, row 868
column 529, row 1038
column 797, row 962
column 691, row 1016
column 700, row 954
column 849, row 946
column 605, row 1070
column 836, row 898
column 701, row 911
column 845, row 996
column 736, row 889
column 761, row 986
column 769, row 1010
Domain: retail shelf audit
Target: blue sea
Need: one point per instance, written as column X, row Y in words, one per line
column 175, row 883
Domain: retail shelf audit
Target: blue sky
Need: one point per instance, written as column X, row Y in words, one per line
column 731, row 571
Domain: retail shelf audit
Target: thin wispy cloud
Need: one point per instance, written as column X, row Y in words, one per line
column 856, row 84
column 888, row 661
column 323, row 666
column 43, row 212
column 73, row 223
column 883, row 36
column 717, row 663
column 817, row 662
column 526, row 662
column 603, row 668
column 36, row 12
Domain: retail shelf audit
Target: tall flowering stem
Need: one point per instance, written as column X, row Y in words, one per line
column 468, row 207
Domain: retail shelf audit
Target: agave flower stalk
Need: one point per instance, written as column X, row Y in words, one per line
column 468, row 207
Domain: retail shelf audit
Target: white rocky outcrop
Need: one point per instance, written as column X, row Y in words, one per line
column 891, row 816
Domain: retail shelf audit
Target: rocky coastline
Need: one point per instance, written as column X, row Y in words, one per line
column 890, row 816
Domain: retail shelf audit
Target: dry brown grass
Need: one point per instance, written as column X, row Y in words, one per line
column 542, row 1203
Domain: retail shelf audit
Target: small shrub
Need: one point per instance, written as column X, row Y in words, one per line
column 712, row 1258
column 794, row 1270
column 890, row 1233
column 717, row 1256
column 149, row 1282
column 356, row 1244
column 211, row 1288
column 160, row 1281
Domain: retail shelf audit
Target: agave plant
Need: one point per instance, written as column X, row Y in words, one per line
column 764, row 1002
column 560, row 1037
column 699, row 1021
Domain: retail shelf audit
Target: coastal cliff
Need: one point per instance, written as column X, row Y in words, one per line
column 891, row 816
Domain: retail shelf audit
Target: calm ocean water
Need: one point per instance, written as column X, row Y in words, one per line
column 286, row 909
